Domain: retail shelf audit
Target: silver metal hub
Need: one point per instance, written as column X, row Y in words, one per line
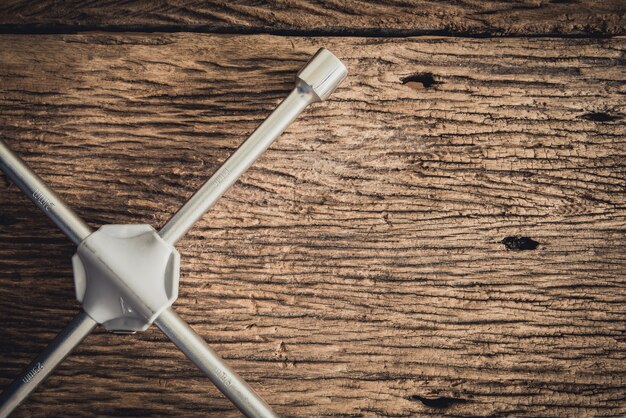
column 125, row 276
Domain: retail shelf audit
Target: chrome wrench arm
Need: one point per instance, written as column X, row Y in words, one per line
column 236, row 165
column 42, row 196
column 226, row 380
column 314, row 83
column 48, row 360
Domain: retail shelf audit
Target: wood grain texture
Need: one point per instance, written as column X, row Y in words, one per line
column 359, row 268
column 364, row 17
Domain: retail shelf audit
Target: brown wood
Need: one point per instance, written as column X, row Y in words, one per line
column 361, row 267
column 519, row 17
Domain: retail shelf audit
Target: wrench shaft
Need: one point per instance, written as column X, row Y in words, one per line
column 226, row 380
column 299, row 98
column 37, row 191
column 35, row 373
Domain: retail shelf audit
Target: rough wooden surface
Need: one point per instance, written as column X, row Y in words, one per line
column 519, row 17
column 357, row 269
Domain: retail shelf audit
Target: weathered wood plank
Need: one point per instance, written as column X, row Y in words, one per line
column 357, row 269
column 360, row 17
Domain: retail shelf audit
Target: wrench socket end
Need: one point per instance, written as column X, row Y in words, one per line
column 323, row 73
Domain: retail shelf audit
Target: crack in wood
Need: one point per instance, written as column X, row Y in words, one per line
column 441, row 402
column 601, row 117
column 420, row 81
column 518, row 243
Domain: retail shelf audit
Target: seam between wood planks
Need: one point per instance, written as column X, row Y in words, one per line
column 62, row 29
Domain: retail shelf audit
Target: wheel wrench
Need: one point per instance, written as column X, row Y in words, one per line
column 101, row 267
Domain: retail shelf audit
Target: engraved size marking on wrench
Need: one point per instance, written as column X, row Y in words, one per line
column 42, row 200
column 33, row 372
column 221, row 176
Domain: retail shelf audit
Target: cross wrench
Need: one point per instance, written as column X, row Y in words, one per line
column 314, row 82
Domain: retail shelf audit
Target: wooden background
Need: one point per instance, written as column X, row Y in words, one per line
column 445, row 236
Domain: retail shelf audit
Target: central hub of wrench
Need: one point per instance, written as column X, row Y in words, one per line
column 125, row 276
